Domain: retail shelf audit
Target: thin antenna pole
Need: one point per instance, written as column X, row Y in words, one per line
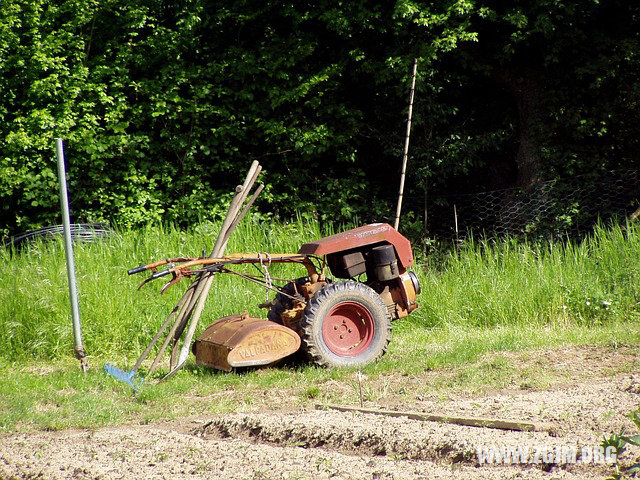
column 455, row 218
column 426, row 209
column 71, row 268
column 406, row 145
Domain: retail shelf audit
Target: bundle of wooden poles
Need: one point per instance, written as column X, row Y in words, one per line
column 186, row 314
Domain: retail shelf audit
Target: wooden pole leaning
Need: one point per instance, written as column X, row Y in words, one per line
column 241, row 215
column 183, row 319
column 405, row 154
column 228, row 225
column 204, row 281
column 162, row 329
column 184, row 302
column 181, row 313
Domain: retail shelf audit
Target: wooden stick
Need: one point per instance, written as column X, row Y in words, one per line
column 234, row 208
column 524, row 426
column 228, row 225
column 232, row 212
column 185, row 305
column 207, row 279
column 187, row 298
column 406, row 145
column 242, row 214
column 160, row 332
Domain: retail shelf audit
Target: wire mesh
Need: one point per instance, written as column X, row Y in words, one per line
column 551, row 208
column 83, row 232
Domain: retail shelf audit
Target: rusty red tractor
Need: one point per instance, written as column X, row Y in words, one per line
column 336, row 323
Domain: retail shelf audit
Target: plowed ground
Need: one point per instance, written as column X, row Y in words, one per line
column 305, row 443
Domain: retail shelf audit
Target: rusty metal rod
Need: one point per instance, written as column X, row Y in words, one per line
column 159, row 263
column 233, row 260
column 259, row 282
column 217, row 266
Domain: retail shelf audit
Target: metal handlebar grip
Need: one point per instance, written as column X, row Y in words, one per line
column 162, row 273
column 139, row 269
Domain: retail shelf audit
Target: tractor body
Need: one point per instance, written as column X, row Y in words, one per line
column 341, row 322
column 338, row 313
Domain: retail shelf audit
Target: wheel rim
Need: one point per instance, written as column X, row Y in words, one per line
column 348, row 329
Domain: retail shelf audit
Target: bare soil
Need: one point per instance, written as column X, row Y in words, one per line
column 592, row 399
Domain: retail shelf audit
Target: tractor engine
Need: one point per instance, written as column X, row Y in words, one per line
column 379, row 253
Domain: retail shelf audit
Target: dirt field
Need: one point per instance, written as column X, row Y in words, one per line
column 287, row 443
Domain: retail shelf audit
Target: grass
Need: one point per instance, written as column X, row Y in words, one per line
column 490, row 297
column 116, row 318
column 512, row 283
column 57, row 395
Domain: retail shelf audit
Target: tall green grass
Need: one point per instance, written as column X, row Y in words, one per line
column 116, row 318
column 485, row 285
column 509, row 282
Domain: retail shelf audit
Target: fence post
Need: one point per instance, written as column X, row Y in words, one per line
column 455, row 217
column 426, row 210
column 71, row 268
column 396, row 224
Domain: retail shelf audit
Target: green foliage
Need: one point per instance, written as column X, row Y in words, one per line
column 615, row 440
column 620, row 442
column 164, row 104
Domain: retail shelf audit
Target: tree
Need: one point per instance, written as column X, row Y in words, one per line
column 162, row 103
column 546, row 90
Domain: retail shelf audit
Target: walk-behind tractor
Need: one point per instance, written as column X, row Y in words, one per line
column 338, row 314
column 344, row 322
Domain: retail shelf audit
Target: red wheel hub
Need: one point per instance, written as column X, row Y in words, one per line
column 348, row 329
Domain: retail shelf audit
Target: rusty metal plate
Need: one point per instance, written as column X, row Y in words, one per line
column 361, row 236
column 243, row 341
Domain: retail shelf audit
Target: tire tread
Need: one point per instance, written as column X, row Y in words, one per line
column 309, row 345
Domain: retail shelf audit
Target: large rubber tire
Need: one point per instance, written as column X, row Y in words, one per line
column 345, row 324
column 283, row 302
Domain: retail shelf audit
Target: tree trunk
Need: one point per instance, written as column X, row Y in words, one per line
column 526, row 90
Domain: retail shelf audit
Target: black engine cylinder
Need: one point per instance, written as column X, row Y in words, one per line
column 384, row 263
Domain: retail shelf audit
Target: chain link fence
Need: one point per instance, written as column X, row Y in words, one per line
column 552, row 208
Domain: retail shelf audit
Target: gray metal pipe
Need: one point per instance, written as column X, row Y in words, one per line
column 71, row 268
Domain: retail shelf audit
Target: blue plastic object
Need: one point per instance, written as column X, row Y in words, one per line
column 129, row 378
